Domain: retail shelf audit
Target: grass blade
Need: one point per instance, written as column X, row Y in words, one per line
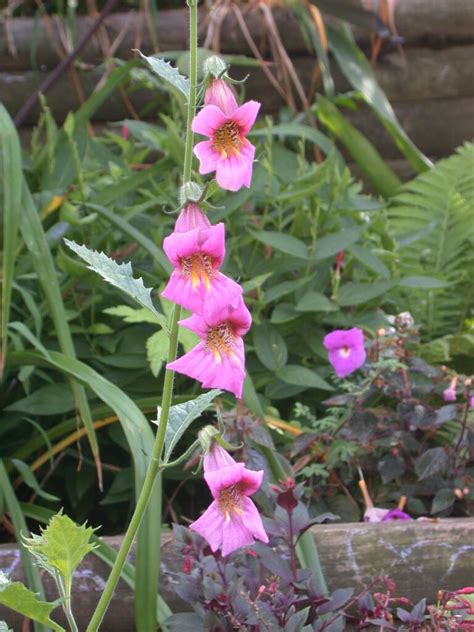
column 19, row 523
column 12, row 178
column 139, row 437
column 358, row 72
column 370, row 162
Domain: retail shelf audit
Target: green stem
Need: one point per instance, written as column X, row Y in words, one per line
column 188, row 152
column 154, row 466
column 65, row 594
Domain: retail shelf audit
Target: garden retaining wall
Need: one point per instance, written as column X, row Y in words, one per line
column 431, row 85
column 421, row 557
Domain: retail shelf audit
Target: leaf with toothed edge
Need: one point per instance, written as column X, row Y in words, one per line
column 117, row 274
column 180, row 418
column 166, row 71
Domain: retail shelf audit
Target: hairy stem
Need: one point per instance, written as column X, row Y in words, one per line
column 154, row 465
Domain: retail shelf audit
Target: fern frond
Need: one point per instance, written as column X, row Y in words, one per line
column 432, row 219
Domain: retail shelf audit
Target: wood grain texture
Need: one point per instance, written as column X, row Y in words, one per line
column 421, row 557
column 452, row 21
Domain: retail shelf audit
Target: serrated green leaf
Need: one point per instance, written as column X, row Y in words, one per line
column 61, row 546
column 133, row 315
column 302, row 376
column 157, row 350
column 19, row 598
column 181, row 417
column 119, row 275
column 166, row 71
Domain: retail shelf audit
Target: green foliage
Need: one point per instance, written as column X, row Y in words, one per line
column 118, row 275
column 61, row 547
column 166, row 71
column 16, row 596
column 432, row 219
column 181, row 416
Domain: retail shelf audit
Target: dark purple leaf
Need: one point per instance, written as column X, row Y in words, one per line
column 403, row 615
column 338, row 599
column 418, row 611
column 390, row 468
column 431, row 462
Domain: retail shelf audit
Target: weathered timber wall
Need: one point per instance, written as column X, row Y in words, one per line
column 421, row 557
column 431, row 87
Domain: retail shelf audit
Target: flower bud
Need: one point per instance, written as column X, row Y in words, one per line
column 220, row 93
column 190, row 217
column 190, row 192
column 214, row 66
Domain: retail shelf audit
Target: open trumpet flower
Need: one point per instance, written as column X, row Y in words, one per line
column 227, row 152
column 218, row 361
column 197, row 255
column 232, row 520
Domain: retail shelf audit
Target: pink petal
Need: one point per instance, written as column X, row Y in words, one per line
column 212, row 242
column 228, row 476
column 208, row 157
column 221, row 94
column 216, row 458
column 345, row 365
column 210, row 526
column 201, row 365
column 179, row 245
column 241, row 319
column 197, row 324
column 222, row 291
column 250, row 482
column 235, row 171
column 253, row 520
column 191, row 216
column 235, row 535
column 246, row 114
column 208, row 120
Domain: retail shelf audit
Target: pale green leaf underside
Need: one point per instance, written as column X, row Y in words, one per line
column 19, row 598
column 166, row 71
column 118, row 274
column 181, row 417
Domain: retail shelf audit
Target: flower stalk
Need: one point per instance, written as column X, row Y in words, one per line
column 155, row 460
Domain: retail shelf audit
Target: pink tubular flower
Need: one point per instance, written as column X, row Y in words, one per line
column 197, row 255
column 232, row 520
column 228, row 152
column 346, row 350
column 449, row 394
column 221, row 94
column 218, row 360
column 191, row 216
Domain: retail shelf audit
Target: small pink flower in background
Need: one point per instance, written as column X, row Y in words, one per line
column 232, row 520
column 221, row 94
column 377, row 514
column 125, row 132
column 228, row 152
column 218, row 361
column 449, row 394
column 346, row 350
column 197, row 255
column 471, row 401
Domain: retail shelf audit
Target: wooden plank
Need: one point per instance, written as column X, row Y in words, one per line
column 420, row 557
column 437, row 125
column 416, row 20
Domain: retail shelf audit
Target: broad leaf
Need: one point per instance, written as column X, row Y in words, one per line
column 30, row 479
column 302, row 376
column 315, row 302
column 181, row 417
column 157, row 350
column 166, row 71
column 283, row 242
column 19, row 598
column 356, row 293
column 430, row 463
column 330, row 245
column 270, row 346
column 118, row 274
